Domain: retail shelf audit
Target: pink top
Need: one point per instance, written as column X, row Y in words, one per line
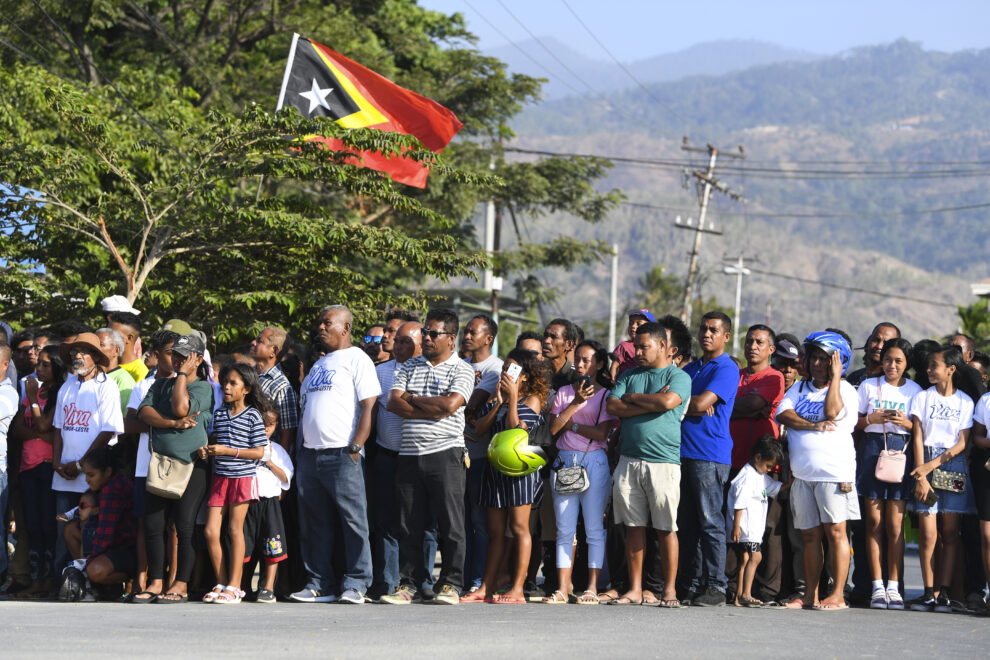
column 625, row 353
column 35, row 451
column 592, row 412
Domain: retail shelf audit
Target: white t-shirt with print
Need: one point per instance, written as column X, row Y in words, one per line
column 822, row 455
column 749, row 492
column 337, row 382
column 878, row 394
column 942, row 417
column 491, row 371
column 270, row 485
column 85, row 409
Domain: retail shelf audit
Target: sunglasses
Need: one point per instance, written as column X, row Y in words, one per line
column 368, row 339
column 433, row 334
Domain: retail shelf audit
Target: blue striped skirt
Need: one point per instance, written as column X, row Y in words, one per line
column 499, row 491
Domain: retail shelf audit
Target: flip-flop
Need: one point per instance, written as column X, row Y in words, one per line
column 588, row 598
column 605, row 598
column 504, row 600
column 554, row 600
column 830, row 607
column 144, row 601
column 798, row 604
column 164, row 599
column 672, row 604
column 473, row 597
column 649, row 601
column 628, row 601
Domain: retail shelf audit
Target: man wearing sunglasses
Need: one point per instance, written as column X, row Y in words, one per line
column 429, row 393
column 371, row 344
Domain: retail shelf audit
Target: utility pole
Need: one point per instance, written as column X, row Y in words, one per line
column 739, row 270
column 493, row 230
column 613, row 296
column 706, row 181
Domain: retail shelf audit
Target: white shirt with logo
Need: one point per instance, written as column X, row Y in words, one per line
column 942, row 417
column 85, row 409
column 878, row 394
column 822, row 455
column 749, row 492
column 335, row 385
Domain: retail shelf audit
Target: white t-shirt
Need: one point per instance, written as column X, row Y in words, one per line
column 491, row 371
column 268, row 484
column 822, row 455
column 143, row 451
column 337, row 382
column 749, row 492
column 85, row 409
column 878, row 394
column 388, row 425
column 942, row 417
column 8, row 408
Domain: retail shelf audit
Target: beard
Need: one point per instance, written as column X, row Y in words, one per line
column 79, row 368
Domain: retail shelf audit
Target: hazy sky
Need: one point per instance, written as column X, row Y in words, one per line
column 634, row 29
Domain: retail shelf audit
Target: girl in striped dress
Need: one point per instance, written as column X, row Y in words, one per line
column 517, row 403
column 237, row 446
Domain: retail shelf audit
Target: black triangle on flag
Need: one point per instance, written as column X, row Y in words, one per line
column 313, row 89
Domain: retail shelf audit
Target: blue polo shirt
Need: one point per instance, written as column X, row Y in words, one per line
column 707, row 438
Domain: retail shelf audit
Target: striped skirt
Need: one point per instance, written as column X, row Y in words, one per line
column 499, row 491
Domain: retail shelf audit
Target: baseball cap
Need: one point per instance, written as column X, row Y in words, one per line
column 178, row 326
column 645, row 313
column 187, row 344
column 117, row 304
column 786, row 350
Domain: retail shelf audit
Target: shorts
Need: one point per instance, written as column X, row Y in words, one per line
column 263, row 527
column 817, row 502
column 232, row 490
column 747, row 546
column 123, row 558
column 948, row 502
column 88, row 529
column 867, row 484
column 140, row 488
column 646, row 494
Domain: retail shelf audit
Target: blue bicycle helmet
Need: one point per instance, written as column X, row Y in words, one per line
column 831, row 342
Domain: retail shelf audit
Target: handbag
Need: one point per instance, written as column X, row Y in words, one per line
column 890, row 464
column 954, row 482
column 167, row 476
column 574, row 480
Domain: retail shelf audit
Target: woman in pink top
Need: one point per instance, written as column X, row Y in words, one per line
column 37, row 495
column 581, row 424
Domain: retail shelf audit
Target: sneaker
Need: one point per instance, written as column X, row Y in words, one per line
column 711, row 598
column 404, row 595
column 312, row 596
column 975, row 602
column 447, row 596
column 943, row 604
column 894, row 600
column 923, row 604
column 878, row 601
column 351, row 597
column 958, row 606
column 265, row 596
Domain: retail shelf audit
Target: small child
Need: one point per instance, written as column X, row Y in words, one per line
column 624, row 355
column 263, row 525
column 747, row 500
column 81, row 524
column 239, row 435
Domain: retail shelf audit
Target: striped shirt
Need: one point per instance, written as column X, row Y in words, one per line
column 419, row 377
column 244, row 430
column 277, row 387
column 389, row 425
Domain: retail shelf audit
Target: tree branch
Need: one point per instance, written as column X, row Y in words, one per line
column 128, row 273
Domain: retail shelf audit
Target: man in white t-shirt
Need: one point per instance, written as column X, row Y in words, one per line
column 87, row 416
column 340, row 394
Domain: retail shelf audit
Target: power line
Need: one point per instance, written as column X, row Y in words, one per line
column 624, row 68
column 856, row 289
column 849, row 214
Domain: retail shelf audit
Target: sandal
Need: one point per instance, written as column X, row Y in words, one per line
column 473, row 597
column 589, row 597
column 556, row 598
column 749, row 601
column 606, row 597
column 137, row 599
column 671, row 604
column 229, row 596
column 171, row 598
column 211, row 595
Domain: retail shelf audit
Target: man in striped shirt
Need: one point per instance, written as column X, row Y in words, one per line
column 429, row 393
column 265, row 350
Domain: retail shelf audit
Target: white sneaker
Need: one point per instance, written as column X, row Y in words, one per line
column 878, row 601
column 894, row 600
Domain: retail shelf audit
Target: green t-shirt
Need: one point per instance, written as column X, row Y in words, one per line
column 125, row 383
column 654, row 437
column 180, row 443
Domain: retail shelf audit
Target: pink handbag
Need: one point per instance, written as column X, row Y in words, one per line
column 890, row 464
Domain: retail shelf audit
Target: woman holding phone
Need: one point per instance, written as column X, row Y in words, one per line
column 520, row 396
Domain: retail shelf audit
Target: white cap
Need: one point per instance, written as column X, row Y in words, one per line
column 117, row 304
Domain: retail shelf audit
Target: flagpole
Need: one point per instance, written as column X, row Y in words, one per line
column 281, row 96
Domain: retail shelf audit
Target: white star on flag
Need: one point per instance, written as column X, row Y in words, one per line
column 316, row 96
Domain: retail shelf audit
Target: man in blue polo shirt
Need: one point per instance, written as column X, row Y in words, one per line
column 706, row 453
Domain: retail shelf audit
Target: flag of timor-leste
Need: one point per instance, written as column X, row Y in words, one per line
column 322, row 83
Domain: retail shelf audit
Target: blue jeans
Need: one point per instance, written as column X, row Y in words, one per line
column 475, row 525
column 331, row 488
column 64, row 500
column 701, row 525
column 38, row 502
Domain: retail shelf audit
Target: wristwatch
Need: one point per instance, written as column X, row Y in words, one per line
column 79, row 466
column 353, row 448
column 574, row 427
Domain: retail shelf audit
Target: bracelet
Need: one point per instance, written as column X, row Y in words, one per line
column 180, row 373
column 237, row 453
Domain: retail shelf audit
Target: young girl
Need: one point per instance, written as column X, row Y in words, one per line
column 516, row 404
column 883, row 415
column 747, row 500
column 113, row 556
column 581, row 424
column 943, row 417
column 240, row 440
column 36, row 470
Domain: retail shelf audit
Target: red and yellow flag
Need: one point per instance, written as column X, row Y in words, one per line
column 322, row 83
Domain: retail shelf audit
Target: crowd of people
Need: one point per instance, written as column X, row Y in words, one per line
column 136, row 466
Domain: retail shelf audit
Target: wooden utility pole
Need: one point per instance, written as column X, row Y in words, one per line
column 706, row 182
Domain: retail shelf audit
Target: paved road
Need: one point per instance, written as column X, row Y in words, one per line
column 565, row 631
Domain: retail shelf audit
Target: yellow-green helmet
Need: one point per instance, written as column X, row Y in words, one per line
column 511, row 454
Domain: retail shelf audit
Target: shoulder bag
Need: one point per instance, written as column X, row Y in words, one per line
column 890, row 463
column 573, row 480
column 167, row 476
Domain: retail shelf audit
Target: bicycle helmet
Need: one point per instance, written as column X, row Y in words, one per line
column 511, row 454
column 831, row 342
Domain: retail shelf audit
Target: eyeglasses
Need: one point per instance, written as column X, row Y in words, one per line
column 28, row 349
column 369, row 339
column 433, row 334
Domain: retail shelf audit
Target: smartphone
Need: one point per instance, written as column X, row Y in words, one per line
column 932, row 498
column 584, row 381
column 514, row 370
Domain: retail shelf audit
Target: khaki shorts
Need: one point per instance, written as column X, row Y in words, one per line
column 817, row 502
column 646, row 494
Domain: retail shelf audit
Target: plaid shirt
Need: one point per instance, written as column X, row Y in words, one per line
column 276, row 386
column 117, row 526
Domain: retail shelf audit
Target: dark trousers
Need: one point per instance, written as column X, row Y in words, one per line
column 183, row 511
column 432, row 483
column 38, row 500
